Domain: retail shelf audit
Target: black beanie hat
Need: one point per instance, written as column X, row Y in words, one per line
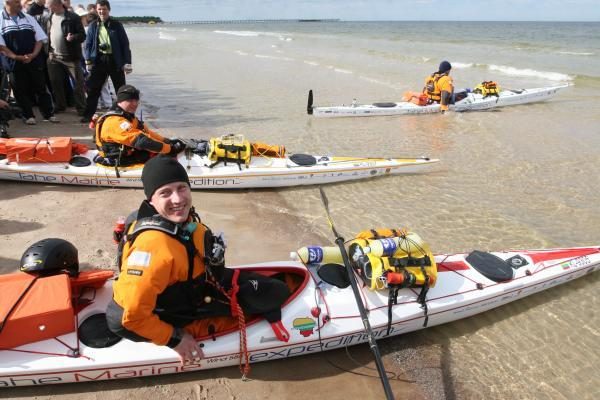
column 127, row 92
column 444, row 67
column 161, row 170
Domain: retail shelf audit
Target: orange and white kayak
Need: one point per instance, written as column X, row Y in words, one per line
column 471, row 102
column 52, row 348
column 260, row 172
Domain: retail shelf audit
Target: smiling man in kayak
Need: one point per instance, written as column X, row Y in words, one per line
column 173, row 285
column 439, row 86
column 123, row 140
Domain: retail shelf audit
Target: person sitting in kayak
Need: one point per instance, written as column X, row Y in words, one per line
column 123, row 140
column 173, row 285
column 439, row 86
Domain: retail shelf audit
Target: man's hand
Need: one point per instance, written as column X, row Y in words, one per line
column 88, row 67
column 70, row 37
column 127, row 68
column 177, row 146
column 27, row 58
column 189, row 350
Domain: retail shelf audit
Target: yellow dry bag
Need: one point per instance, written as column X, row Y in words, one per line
column 232, row 148
column 392, row 258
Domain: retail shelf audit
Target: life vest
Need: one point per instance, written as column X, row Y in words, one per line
column 487, row 88
column 219, row 291
column 393, row 259
column 184, row 301
column 107, row 149
column 232, row 148
column 431, row 87
column 117, row 154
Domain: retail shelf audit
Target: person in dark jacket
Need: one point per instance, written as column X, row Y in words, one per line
column 65, row 35
column 107, row 53
column 37, row 9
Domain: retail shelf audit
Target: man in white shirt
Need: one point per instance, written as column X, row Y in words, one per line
column 21, row 40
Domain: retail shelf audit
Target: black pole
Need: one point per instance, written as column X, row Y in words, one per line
column 309, row 106
column 361, row 308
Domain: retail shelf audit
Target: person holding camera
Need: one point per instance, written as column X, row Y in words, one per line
column 123, row 140
column 107, row 54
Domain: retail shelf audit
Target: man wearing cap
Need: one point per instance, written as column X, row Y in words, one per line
column 124, row 140
column 439, row 86
column 173, row 286
column 165, row 242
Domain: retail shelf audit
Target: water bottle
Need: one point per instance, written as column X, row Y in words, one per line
column 119, row 229
column 382, row 247
column 317, row 255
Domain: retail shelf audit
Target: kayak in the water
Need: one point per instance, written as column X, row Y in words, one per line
column 470, row 101
column 40, row 344
column 211, row 167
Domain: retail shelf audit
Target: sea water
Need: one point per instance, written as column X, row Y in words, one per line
column 519, row 177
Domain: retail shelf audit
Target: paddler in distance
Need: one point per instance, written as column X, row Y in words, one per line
column 173, row 286
column 439, row 86
column 122, row 139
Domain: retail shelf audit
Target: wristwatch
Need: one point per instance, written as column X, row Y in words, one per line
column 175, row 338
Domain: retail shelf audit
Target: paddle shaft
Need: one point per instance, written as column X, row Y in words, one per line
column 361, row 308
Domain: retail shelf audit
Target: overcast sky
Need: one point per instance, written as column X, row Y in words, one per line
column 365, row 10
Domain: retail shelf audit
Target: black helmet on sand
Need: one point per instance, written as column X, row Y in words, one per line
column 50, row 256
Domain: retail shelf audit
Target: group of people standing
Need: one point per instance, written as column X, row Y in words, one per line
column 49, row 48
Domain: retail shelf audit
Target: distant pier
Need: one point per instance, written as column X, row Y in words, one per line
column 248, row 21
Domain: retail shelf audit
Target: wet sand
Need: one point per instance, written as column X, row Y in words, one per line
column 85, row 217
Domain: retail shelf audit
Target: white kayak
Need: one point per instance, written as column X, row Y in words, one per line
column 262, row 172
column 472, row 102
column 318, row 317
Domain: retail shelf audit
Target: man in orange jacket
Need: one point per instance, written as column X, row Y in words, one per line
column 439, row 86
column 173, row 286
column 163, row 266
column 122, row 139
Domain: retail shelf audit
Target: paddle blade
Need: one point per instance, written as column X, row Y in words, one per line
column 309, row 106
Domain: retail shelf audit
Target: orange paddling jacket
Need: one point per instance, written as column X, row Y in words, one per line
column 120, row 135
column 152, row 263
